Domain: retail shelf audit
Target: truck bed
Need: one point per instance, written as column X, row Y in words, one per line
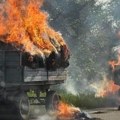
column 13, row 73
column 41, row 74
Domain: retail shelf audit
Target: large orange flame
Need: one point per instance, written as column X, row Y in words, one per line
column 105, row 88
column 66, row 111
column 25, row 26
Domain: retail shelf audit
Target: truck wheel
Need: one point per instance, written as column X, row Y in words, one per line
column 52, row 101
column 22, row 106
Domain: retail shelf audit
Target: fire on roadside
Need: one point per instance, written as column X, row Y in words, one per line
column 114, row 63
column 66, row 111
column 24, row 25
column 105, row 87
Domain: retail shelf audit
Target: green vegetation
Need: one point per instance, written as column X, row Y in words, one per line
column 85, row 101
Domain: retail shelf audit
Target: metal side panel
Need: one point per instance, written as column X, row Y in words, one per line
column 13, row 75
column 13, row 68
column 42, row 74
column 35, row 74
column 59, row 74
column 1, row 78
column 1, row 58
column 12, row 58
column 2, row 62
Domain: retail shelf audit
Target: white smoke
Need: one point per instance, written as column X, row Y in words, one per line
column 104, row 3
column 108, row 7
column 70, row 86
column 41, row 114
column 94, row 21
column 46, row 117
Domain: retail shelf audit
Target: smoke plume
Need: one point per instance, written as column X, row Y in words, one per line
column 89, row 29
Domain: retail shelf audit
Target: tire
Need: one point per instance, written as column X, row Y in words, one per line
column 52, row 101
column 22, row 106
column 15, row 109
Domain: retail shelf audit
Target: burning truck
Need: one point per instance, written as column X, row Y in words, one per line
column 32, row 56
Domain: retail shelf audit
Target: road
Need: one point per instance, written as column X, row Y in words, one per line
column 106, row 114
column 39, row 113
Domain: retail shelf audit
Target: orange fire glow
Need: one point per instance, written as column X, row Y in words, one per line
column 66, row 111
column 111, row 87
column 105, row 88
column 25, row 26
column 115, row 63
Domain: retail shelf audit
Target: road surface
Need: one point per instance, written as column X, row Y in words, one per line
column 106, row 114
column 39, row 113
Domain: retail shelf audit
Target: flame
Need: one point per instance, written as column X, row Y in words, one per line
column 115, row 63
column 66, row 111
column 25, row 26
column 105, row 88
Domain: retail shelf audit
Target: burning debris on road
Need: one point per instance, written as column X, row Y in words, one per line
column 67, row 112
column 25, row 27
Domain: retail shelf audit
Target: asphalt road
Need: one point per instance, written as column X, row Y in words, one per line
column 106, row 113
column 39, row 113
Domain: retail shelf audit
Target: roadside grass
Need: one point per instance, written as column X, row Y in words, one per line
column 84, row 101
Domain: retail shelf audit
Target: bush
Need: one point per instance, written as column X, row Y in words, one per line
column 84, row 101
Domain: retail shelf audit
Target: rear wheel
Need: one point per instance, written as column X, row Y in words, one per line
column 52, row 100
column 15, row 107
column 22, row 106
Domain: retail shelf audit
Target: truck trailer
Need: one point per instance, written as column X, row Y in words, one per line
column 16, row 79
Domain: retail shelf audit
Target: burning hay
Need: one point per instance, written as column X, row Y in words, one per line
column 25, row 26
